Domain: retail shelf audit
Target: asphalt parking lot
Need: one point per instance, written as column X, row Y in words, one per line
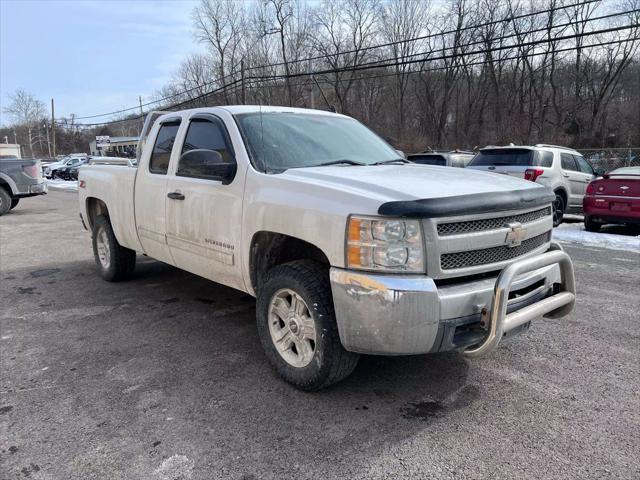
column 163, row 377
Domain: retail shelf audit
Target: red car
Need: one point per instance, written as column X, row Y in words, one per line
column 613, row 198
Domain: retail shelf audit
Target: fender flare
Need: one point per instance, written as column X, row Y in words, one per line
column 12, row 185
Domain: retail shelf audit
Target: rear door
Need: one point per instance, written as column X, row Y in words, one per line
column 203, row 212
column 151, row 190
column 574, row 178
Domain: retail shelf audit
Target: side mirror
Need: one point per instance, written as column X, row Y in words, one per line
column 203, row 163
column 600, row 172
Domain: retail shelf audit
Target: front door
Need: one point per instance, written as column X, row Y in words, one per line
column 204, row 210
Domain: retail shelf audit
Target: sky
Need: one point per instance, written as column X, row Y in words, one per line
column 92, row 56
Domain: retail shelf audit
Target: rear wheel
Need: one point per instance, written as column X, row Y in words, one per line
column 590, row 225
column 14, row 203
column 297, row 326
column 5, row 201
column 114, row 261
column 558, row 210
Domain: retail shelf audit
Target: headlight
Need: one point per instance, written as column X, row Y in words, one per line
column 385, row 244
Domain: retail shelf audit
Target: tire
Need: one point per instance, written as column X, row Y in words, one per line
column 590, row 225
column 14, row 203
column 5, row 201
column 114, row 262
column 558, row 210
column 329, row 361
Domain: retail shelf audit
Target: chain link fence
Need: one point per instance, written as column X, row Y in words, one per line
column 612, row 158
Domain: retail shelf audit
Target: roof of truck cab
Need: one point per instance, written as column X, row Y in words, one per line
column 239, row 109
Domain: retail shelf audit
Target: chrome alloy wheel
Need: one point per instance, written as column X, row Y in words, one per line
column 102, row 245
column 292, row 329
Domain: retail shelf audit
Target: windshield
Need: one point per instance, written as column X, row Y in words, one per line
column 280, row 140
column 513, row 157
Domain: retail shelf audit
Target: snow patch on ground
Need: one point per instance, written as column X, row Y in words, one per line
column 575, row 233
column 177, row 467
column 57, row 184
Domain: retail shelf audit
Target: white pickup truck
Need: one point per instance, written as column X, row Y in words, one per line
column 348, row 248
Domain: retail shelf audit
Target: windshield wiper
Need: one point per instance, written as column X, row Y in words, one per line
column 339, row 162
column 395, row 160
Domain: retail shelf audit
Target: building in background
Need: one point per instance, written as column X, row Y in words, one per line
column 10, row 150
column 118, row 147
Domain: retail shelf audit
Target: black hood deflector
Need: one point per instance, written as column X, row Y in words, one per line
column 468, row 204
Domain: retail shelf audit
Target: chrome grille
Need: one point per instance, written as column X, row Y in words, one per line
column 455, row 228
column 486, row 256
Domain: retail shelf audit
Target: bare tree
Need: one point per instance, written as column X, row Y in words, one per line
column 402, row 21
column 220, row 25
column 26, row 110
column 344, row 30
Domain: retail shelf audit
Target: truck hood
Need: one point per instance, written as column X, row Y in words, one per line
column 408, row 182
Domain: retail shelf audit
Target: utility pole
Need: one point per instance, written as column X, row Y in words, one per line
column 311, row 89
column 244, row 99
column 53, row 127
column 140, row 102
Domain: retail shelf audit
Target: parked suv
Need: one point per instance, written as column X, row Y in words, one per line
column 455, row 158
column 562, row 169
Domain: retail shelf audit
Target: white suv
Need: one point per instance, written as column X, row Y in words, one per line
column 562, row 169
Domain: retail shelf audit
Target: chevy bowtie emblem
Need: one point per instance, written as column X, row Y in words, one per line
column 515, row 235
column 624, row 187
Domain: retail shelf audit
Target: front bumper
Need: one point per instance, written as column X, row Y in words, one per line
column 409, row 314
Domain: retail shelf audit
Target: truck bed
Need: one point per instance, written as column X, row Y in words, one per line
column 114, row 185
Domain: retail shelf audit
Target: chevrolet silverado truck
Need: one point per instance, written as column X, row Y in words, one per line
column 347, row 248
column 19, row 178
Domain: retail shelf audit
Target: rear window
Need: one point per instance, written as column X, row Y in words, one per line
column 519, row 157
column 438, row 160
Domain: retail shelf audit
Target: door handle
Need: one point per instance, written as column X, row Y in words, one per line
column 565, row 175
column 175, row 196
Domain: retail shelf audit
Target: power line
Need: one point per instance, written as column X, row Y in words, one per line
column 395, row 64
column 319, row 57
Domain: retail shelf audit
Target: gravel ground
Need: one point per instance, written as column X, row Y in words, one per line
column 162, row 377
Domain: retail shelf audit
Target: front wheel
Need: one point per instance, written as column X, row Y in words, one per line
column 297, row 326
column 558, row 210
column 114, row 261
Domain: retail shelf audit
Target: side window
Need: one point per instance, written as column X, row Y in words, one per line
column 544, row 158
column 161, row 155
column 204, row 134
column 583, row 165
column 568, row 162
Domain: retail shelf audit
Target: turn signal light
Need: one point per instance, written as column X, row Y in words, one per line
column 532, row 173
